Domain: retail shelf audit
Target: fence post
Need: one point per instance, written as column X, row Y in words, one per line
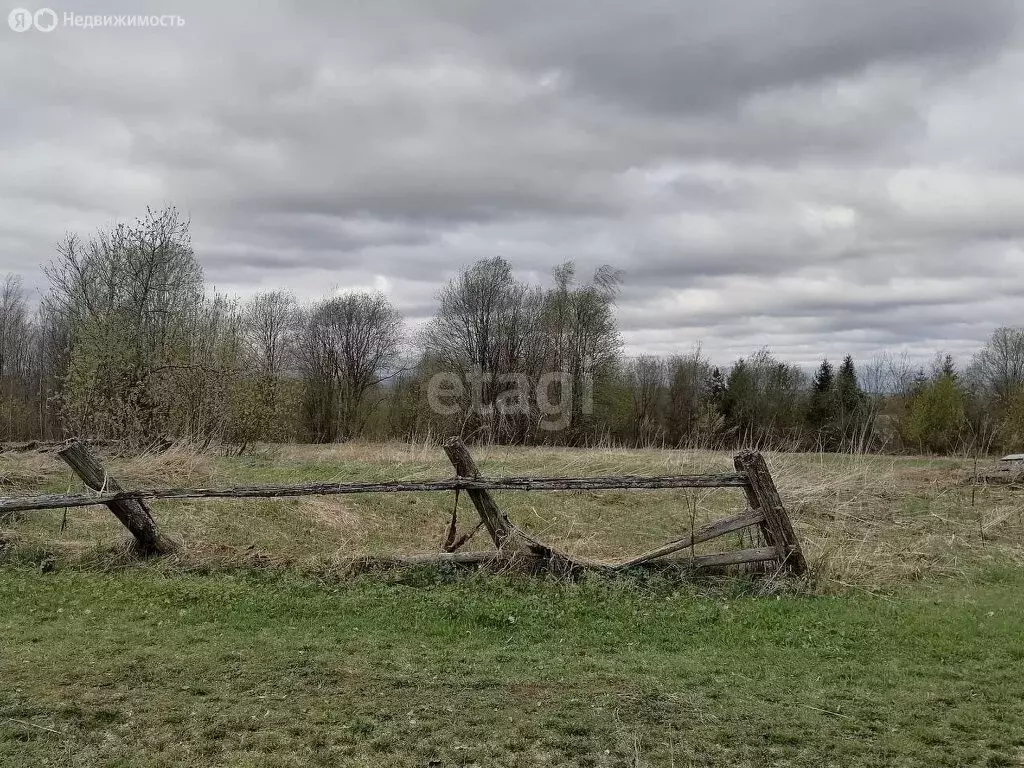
column 764, row 498
column 497, row 524
column 133, row 513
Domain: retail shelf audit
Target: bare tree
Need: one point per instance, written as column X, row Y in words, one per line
column 349, row 345
column 198, row 387
column 874, row 376
column 145, row 274
column 491, row 330
column 999, row 366
column 900, row 374
column 487, row 332
column 50, row 352
column 645, row 377
column 581, row 320
column 582, row 333
column 269, row 324
column 16, row 344
column 482, row 320
column 688, row 394
column 14, row 327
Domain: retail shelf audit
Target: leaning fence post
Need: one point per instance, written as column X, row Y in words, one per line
column 133, row 513
column 764, row 498
column 495, row 521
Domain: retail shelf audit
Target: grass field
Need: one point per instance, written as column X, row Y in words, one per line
column 254, row 646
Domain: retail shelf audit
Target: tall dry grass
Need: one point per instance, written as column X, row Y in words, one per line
column 864, row 520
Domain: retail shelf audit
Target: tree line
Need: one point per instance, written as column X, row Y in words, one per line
column 127, row 344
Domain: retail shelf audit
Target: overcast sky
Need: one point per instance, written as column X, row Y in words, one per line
column 819, row 177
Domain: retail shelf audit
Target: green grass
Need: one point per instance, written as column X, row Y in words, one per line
column 153, row 666
column 904, row 647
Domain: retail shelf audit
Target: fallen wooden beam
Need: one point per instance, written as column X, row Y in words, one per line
column 707, row 533
column 739, row 557
column 528, row 560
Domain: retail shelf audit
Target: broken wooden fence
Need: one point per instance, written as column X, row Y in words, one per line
column 513, row 546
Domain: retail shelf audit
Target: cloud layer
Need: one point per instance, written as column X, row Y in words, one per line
column 820, row 178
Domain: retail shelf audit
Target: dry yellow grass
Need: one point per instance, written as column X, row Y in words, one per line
column 21, row 472
column 866, row 521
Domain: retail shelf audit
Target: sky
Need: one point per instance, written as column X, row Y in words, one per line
column 821, row 177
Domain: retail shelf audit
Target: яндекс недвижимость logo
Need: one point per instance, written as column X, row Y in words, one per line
column 22, row 20
column 46, row 20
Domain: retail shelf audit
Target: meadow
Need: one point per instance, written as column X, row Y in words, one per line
column 256, row 643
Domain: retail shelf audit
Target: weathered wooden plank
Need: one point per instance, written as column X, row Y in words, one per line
column 628, row 482
column 507, row 559
column 56, row 501
column 764, row 498
column 497, row 524
column 713, row 531
column 442, row 558
column 132, row 512
column 620, row 482
column 504, row 533
column 740, row 556
column 42, row 446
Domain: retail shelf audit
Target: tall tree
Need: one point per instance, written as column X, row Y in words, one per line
column 854, row 416
column 947, row 367
column 269, row 324
column 487, row 332
column 688, row 398
column 821, row 411
column 125, row 294
column 17, row 339
column 582, row 337
column 999, row 365
column 848, row 392
column 763, row 402
column 646, row 380
column 349, row 344
column 716, row 386
column 824, row 378
column 494, row 332
column 938, row 416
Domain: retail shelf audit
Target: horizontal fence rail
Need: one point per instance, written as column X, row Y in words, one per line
column 625, row 482
column 512, row 544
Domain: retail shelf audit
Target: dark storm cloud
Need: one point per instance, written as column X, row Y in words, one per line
column 819, row 177
column 667, row 56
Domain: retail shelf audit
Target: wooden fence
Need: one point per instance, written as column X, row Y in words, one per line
column 513, row 546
